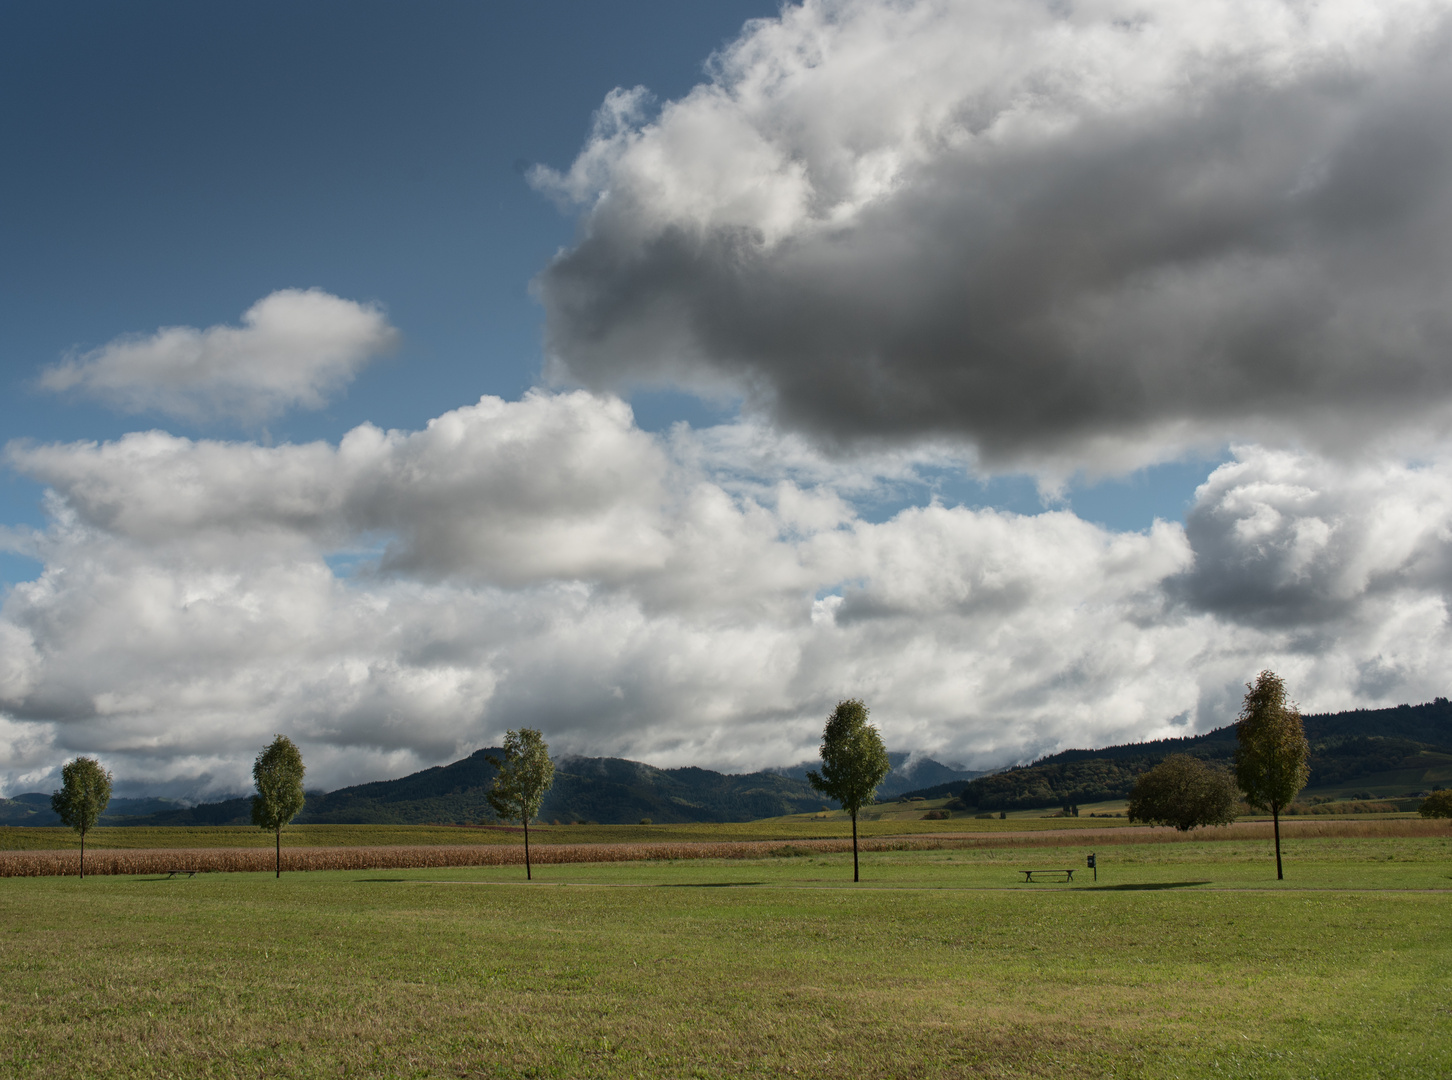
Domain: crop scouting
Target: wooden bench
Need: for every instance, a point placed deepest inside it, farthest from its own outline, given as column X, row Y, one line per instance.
column 1028, row 875
column 173, row 873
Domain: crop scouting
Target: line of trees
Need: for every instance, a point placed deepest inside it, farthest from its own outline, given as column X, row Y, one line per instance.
column 1186, row 792
column 854, row 764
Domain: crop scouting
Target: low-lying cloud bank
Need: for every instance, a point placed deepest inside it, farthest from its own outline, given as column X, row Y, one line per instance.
column 401, row 598
column 1071, row 236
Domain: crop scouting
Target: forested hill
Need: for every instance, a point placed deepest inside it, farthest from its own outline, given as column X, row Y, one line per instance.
column 608, row 790
column 1366, row 752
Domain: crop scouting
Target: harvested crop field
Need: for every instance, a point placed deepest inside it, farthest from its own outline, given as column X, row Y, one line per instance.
column 22, row 838
column 401, row 857
column 161, row 860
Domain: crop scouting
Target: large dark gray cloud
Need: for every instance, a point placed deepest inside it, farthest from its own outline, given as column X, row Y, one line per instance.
column 1095, row 233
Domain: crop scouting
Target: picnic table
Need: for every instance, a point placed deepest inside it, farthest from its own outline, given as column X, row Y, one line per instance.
column 1028, row 875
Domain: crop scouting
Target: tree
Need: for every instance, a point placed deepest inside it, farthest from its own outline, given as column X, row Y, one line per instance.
column 1270, row 761
column 1438, row 804
column 278, row 774
column 85, row 791
column 1184, row 792
column 854, row 762
column 525, row 774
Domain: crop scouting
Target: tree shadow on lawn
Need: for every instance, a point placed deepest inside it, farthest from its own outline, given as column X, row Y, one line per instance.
column 1149, row 885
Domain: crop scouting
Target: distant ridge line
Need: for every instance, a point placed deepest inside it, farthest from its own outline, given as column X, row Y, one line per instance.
column 1367, row 746
column 1347, row 746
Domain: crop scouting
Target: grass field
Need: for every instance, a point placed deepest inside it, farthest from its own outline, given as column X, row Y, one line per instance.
column 1186, row 959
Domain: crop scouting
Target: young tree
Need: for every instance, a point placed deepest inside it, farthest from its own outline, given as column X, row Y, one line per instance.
column 1437, row 804
column 854, row 762
column 1184, row 792
column 278, row 774
column 85, row 791
column 1270, row 761
column 525, row 774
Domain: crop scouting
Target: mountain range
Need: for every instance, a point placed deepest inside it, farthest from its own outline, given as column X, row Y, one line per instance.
column 1364, row 753
column 607, row 790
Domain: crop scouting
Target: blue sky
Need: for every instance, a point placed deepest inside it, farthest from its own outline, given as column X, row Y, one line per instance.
column 169, row 164
column 1039, row 374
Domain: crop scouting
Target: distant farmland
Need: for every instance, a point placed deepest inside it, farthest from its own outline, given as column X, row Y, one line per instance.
column 157, row 853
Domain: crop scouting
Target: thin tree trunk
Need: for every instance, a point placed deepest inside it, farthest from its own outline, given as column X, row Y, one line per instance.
column 854, row 847
column 1276, row 819
column 527, row 875
column 279, row 853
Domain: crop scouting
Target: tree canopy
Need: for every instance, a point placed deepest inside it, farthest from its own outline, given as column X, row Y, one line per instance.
column 1437, row 804
column 854, row 762
column 1185, row 792
column 278, row 774
column 525, row 774
column 85, row 791
column 1271, row 758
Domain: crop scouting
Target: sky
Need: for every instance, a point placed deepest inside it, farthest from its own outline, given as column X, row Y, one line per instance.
column 391, row 376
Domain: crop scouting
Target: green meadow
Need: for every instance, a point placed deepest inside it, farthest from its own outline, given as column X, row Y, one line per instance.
column 1182, row 960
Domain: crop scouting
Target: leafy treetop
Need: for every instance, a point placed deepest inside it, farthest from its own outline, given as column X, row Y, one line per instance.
column 85, row 791
column 525, row 775
column 1184, row 792
column 278, row 774
column 1438, row 804
column 854, row 761
column 1271, row 758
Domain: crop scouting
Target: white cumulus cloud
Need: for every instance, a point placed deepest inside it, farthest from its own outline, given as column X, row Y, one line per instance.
column 294, row 348
column 544, row 562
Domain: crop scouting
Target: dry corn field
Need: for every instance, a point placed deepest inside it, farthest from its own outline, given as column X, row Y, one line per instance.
column 405, row 857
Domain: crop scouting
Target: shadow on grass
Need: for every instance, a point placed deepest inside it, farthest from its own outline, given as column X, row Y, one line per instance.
column 1149, row 885
column 707, row 884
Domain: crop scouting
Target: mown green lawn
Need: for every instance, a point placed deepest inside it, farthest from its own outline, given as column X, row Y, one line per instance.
column 1185, row 960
